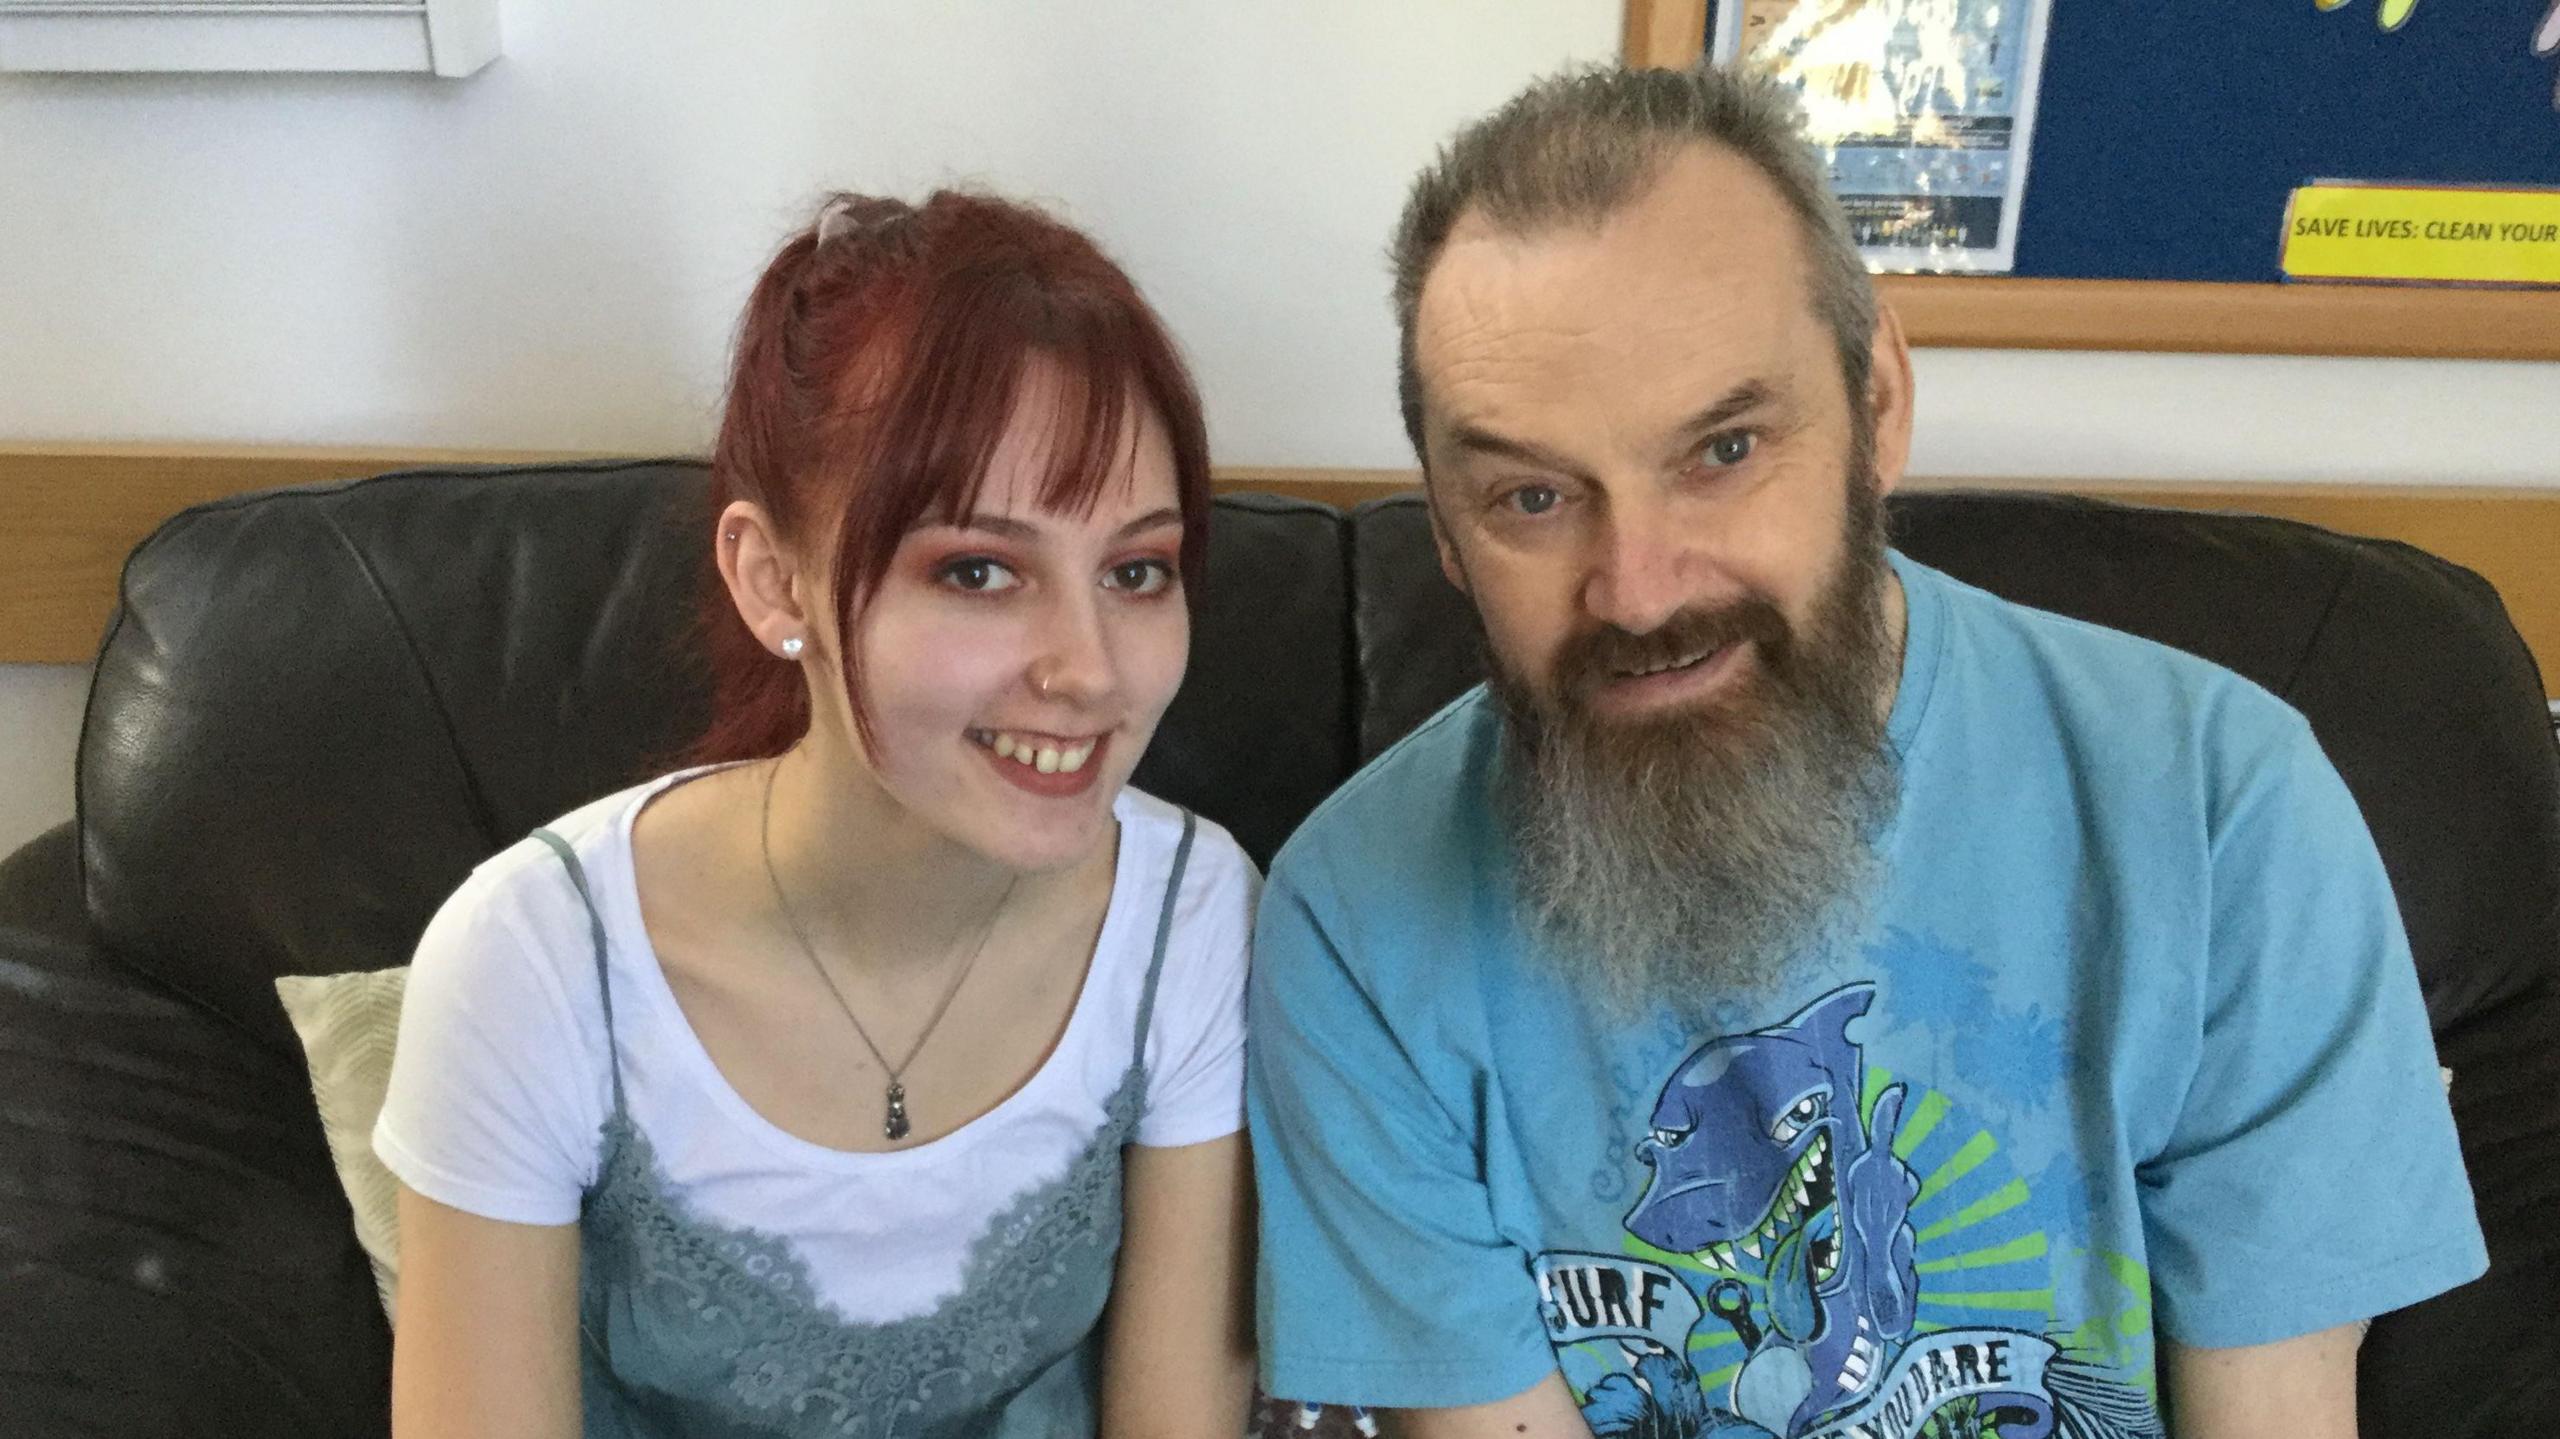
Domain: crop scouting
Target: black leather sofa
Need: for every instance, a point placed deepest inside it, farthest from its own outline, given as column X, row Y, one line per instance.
column 317, row 709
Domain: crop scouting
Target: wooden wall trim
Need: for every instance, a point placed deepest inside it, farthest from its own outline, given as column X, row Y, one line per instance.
column 70, row 513
column 1998, row 312
column 1664, row 34
column 1341, row 489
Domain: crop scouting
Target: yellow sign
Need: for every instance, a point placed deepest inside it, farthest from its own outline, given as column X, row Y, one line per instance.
column 2447, row 234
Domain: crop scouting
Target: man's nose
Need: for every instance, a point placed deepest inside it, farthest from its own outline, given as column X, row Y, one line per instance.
column 1640, row 578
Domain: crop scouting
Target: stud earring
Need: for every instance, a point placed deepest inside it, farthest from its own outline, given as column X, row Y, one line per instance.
column 791, row 647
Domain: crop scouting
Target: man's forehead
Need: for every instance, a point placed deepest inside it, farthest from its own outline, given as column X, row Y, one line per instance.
column 1701, row 207
column 1696, row 283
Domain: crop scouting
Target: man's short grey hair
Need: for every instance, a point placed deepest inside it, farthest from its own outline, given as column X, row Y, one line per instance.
column 1577, row 147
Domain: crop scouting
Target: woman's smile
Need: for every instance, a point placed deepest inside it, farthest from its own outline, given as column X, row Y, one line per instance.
column 1051, row 765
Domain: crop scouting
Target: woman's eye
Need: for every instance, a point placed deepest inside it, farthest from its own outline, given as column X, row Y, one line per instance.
column 978, row 575
column 1142, row 577
column 1730, row 448
column 1533, row 499
column 1670, row 1138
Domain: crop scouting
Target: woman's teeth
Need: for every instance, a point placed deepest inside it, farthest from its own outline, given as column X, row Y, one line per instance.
column 1046, row 758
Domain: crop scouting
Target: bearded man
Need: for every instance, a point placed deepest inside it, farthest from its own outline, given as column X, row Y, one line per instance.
column 1802, row 994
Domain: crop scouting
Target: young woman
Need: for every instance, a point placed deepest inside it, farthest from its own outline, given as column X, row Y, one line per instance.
column 833, row 1086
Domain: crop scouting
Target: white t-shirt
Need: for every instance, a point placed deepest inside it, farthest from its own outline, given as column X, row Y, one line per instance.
column 500, row 1080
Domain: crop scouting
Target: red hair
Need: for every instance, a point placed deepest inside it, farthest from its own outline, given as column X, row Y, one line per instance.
column 878, row 366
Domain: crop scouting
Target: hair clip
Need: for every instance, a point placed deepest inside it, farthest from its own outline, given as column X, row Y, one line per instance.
column 836, row 218
column 846, row 213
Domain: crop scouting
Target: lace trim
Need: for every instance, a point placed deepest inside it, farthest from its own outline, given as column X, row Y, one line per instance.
column 1035, row 1283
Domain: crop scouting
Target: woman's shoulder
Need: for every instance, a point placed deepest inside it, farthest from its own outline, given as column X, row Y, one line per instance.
column 1210, row 917
column 524, row 895
column 1194, row 1045
column 502, row 1071
column 1154, row 826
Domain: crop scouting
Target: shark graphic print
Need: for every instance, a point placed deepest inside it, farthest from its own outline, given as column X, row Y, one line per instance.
column 1772, row 1280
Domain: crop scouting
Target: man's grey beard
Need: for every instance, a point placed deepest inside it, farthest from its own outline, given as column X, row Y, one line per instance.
column 1681, row 860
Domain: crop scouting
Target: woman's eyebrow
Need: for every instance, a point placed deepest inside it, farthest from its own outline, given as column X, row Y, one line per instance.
column 1024, row 531
column 1001, row 527
column 1152, row 519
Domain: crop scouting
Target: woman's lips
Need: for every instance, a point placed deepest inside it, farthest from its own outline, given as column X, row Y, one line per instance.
column 1053, row 766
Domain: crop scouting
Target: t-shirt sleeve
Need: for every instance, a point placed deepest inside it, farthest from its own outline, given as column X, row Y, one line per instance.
column 497, row 1088
column 1384, row 1278
column 1195, row 1042
column 2312, row 1177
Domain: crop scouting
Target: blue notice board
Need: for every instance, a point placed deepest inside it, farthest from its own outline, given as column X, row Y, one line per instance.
column 2168, row 137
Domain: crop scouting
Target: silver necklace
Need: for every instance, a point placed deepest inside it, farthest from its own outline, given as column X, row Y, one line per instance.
column 895, row 1123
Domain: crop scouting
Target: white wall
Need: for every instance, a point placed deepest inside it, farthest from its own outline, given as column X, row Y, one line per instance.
column 39, row 725
column 549, row 255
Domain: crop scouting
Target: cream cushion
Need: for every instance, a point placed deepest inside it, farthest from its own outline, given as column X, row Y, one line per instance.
column 348, row 1024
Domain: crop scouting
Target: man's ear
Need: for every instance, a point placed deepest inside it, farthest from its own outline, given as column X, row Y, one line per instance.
column 1890, row 398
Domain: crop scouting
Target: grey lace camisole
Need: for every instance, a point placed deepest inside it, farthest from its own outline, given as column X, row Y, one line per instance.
column 691, row 1329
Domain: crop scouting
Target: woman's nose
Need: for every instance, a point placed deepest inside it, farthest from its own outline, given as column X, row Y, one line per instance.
column 1073, row 663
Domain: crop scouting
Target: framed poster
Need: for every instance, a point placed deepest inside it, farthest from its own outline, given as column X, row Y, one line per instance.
column 2166, row 150
column 1924, row 114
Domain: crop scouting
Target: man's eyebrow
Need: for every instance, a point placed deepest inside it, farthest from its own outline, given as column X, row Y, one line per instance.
column 1741, row 400
column 1476, row 440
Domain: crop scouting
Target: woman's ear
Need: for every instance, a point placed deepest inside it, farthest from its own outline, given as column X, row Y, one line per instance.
column 763, row 579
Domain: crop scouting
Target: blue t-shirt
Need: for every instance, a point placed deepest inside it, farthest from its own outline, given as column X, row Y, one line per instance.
column 2132, row 1047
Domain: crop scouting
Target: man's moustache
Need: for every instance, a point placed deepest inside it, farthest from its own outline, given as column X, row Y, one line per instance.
column 1607, row 653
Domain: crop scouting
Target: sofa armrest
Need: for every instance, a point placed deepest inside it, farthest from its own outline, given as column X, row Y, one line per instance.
column 175, row 1255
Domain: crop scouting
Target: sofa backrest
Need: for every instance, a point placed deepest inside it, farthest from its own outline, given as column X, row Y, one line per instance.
column 2419, row 689
column 318, row 708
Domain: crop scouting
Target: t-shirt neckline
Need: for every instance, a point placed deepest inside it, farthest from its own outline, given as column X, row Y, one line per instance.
column 626, row 928
column 1924, row 635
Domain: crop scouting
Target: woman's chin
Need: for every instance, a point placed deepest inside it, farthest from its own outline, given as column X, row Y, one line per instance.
column 1046, row 840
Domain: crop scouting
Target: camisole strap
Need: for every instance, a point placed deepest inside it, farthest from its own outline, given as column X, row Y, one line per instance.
column 595, row 929
column 1164, row 933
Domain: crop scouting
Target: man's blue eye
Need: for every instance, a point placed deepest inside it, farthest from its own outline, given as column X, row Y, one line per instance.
column 1731, row 448
column 1534, row 499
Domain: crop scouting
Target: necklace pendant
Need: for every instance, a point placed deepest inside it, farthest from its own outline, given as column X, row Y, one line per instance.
column 896, row 1127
